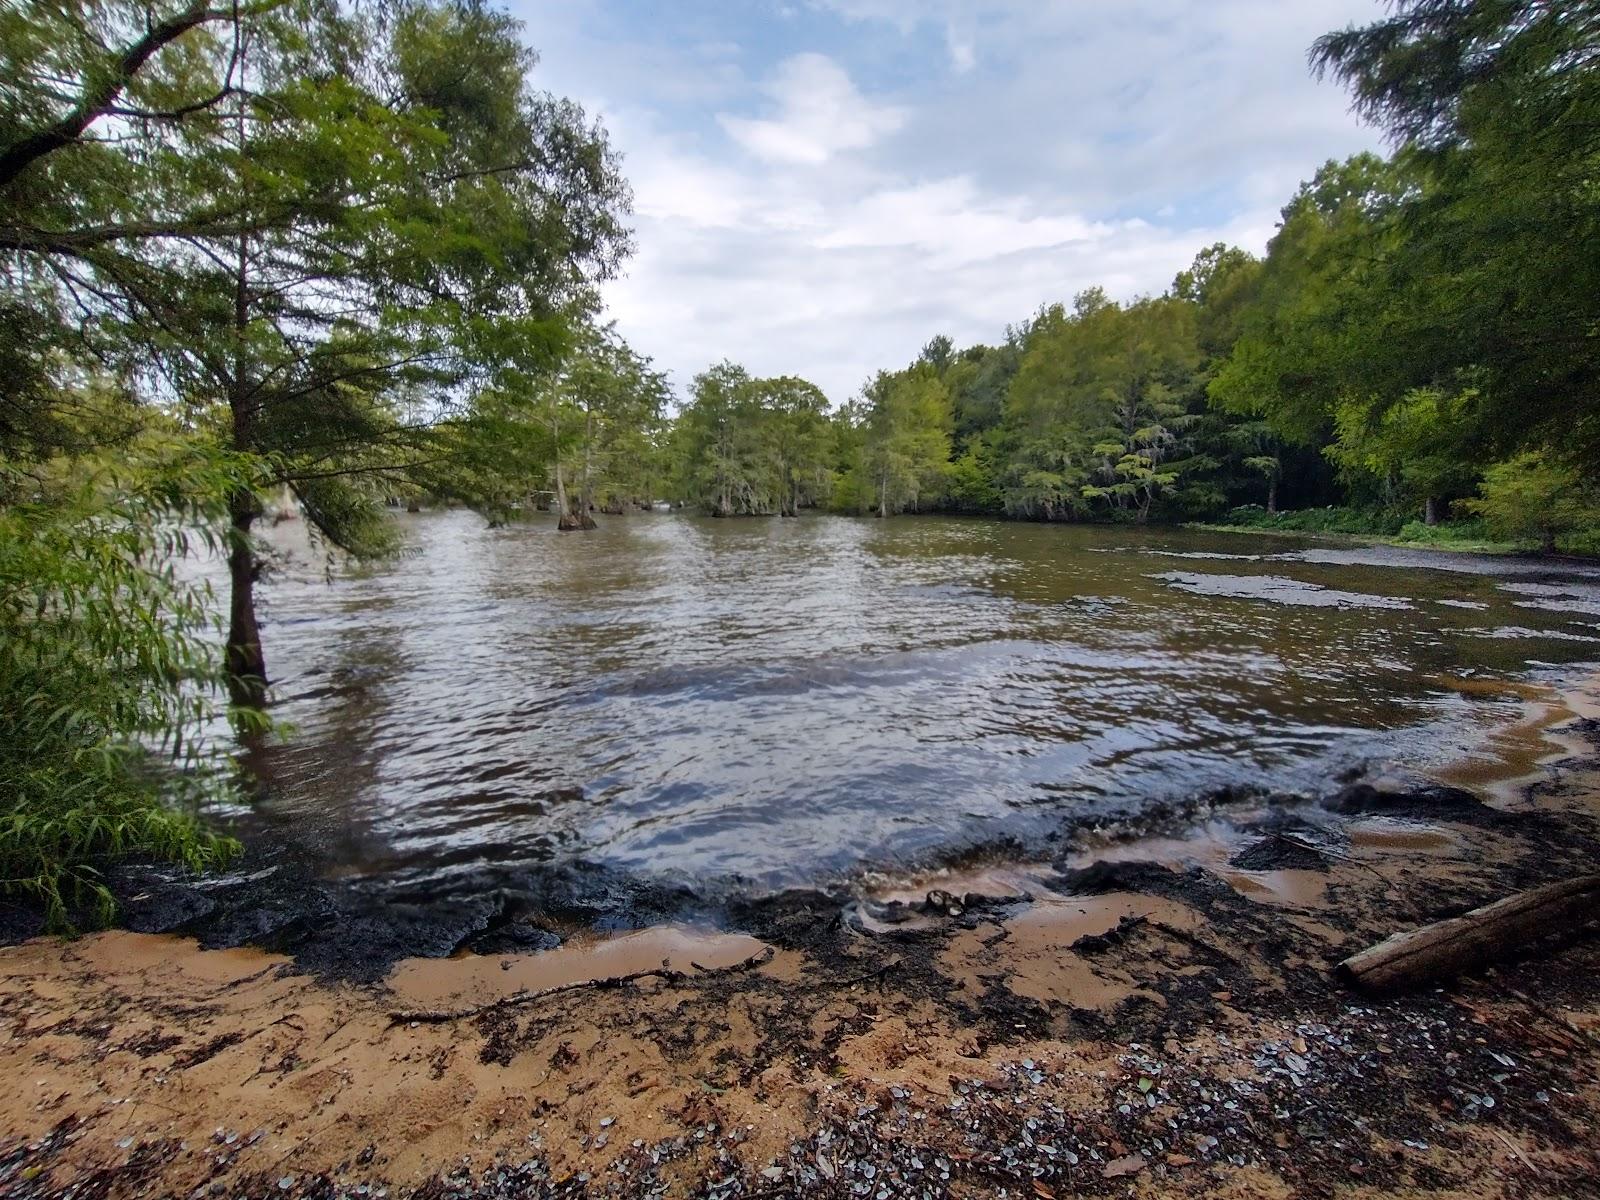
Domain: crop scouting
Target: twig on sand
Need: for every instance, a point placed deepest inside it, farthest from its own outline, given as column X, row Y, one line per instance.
column 877, row 973
column 1515, row 1149
column 1289, row 839
column 1183, row 935
column 438, row 1016
column 1548, row 1013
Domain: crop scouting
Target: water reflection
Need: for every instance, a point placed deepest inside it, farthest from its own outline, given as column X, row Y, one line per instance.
column 783, row 700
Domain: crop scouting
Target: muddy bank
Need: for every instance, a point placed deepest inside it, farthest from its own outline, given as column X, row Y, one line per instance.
column 1145, row 1015
column 337, row 926
column 278, row 900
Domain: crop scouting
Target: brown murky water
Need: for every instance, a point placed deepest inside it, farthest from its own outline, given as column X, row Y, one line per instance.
column 778, row 702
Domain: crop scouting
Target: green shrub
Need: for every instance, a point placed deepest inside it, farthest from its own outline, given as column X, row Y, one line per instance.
column 1315, row 520
column 110, row 665
column 1446, row 533
column 1538, row 498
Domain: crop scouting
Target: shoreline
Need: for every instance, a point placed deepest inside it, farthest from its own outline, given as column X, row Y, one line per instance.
column 1155, row 1013
column 1489, row 549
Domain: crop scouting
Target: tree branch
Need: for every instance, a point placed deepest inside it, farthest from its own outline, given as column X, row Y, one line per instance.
column 98, row 98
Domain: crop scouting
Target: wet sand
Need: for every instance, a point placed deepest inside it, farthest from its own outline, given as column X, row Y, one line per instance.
column 1146, row 1016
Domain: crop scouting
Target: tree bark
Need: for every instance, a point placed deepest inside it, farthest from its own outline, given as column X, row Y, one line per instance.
column 1272, row 496
column 1430, row 511
column 1482, row 936
column 246, row 664
column 568, row 520
column 586, row 489
column 247, row 668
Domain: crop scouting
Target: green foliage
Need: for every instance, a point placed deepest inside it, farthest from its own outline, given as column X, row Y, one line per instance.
column 1537, row 498
column 111, row 665
column 1098, row 408
column 1297, row 352
column 1416, row 445
column 978, row 379
column 1456, row 535
column 1332, row 519
column 973, row 482
column 906, row 438
column 754, row 447
column 1497, row 106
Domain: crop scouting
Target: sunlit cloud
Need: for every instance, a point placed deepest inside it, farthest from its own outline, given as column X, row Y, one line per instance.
column 819, row 113
column 819, row 192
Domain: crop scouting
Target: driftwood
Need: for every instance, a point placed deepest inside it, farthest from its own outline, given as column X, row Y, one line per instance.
column 438, row 1016
column 1482, row 936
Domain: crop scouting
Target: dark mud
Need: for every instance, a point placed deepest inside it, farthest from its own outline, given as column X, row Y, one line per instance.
column 274, row 899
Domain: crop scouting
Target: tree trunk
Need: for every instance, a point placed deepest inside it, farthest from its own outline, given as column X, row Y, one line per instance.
column 567, row 520
column 1272, row 496
column 1480, row 937
column 247, row 669
column 1430, row 511
column 883, row 495
column 586, row 491
column 246, row 664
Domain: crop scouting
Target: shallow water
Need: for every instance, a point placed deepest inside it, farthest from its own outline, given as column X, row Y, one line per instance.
column 779, row 702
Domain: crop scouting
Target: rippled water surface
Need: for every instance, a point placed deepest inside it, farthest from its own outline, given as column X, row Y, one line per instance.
column 785, row 700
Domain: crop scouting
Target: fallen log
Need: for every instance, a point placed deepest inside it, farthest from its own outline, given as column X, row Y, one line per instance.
column 1474, row 939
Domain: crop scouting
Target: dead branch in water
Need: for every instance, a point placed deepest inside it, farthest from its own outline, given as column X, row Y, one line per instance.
column 439, row 1016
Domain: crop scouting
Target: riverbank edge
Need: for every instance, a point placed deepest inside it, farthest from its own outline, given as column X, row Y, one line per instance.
column 1497, row 549
column 904, row 1053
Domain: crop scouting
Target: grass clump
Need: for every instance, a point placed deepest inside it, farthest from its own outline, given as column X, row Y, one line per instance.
column 110, row 667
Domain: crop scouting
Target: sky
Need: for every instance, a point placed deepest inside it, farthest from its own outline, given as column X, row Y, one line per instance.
column 821, row 186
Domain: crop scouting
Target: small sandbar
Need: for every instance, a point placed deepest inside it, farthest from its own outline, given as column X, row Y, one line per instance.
column 468, row 979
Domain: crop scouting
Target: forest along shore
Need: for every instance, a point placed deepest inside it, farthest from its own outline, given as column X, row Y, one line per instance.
column 1146, row 1015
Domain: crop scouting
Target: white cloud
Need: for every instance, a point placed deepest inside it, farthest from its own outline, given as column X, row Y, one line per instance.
column 963, row 54
column 951, row 222
column 824, row 215
column 820, row 113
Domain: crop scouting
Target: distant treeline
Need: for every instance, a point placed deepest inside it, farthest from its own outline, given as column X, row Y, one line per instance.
column 1421, row 341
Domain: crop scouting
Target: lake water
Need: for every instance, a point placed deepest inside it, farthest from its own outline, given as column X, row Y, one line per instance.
column 786, row 701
